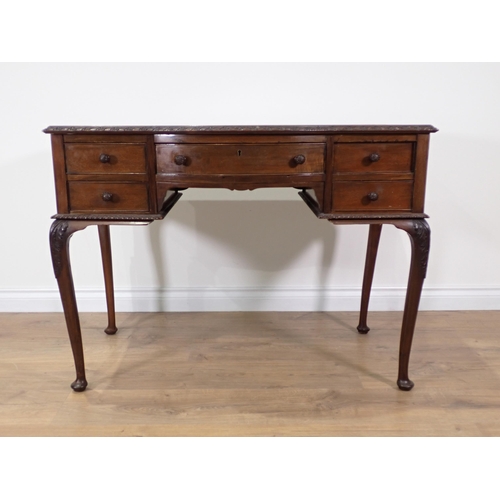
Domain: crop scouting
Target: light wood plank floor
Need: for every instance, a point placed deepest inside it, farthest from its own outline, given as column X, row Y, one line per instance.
column 251, row 374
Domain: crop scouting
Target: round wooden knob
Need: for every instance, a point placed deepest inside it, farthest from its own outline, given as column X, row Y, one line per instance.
column 374, row 157
column 180, row 160
column 373, row 196
column 107, row 196
column 299, row 159
column 104, row 158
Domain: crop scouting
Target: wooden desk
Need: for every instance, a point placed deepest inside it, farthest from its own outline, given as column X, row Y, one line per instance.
column 346, row 174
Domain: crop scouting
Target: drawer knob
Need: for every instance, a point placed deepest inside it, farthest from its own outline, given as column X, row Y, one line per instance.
column 373, row 196
column 181, row 160
column 374, row 157
column 299, row 159
column 107, row 196
column 104, row 158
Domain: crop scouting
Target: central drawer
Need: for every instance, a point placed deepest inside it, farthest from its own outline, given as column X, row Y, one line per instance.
column 245, row 159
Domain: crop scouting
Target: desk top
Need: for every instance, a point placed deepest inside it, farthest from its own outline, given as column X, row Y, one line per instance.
column 245, row 129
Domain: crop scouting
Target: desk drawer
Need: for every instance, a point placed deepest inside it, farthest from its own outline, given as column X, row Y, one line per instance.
column 372, row 196
column 108, row 197
column 105, row 158
column 372, row 157
column 241, row 158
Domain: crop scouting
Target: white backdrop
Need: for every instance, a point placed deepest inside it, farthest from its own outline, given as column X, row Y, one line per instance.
column 259, row 250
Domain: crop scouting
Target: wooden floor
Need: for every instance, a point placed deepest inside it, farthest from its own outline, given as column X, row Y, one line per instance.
column 251, row 374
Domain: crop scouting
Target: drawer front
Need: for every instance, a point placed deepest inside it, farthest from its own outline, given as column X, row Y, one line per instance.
column 110, row 158
column 240, row 158
column 361, row 196
column 372, row 157
column 108, row 197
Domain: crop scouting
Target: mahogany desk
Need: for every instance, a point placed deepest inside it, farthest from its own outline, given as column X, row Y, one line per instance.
column 346, row 174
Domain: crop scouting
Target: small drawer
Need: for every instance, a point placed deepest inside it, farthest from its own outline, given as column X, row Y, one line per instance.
column 108, row 197
column 110, row 158
column 361, row 196
column 372, row 157
column 199, row 159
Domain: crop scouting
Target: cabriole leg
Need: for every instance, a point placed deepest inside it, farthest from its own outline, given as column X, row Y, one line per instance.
column 107, row 265
column 371, row 257
column 419, row 233
column 60, row 234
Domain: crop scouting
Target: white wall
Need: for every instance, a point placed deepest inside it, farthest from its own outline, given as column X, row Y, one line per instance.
column 262, row 249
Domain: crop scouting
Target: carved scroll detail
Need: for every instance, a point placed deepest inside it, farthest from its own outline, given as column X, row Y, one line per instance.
column 58, row 239
column 420, row 233
column 422, row 240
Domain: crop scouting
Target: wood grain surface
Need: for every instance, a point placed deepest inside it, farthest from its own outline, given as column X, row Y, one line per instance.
column 87, row 196
column 251, row 374
column 123, row 158
column 243, row 159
